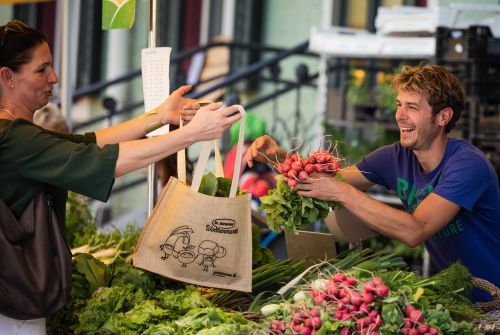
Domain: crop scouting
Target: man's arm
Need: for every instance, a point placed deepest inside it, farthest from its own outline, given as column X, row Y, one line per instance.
column 431, row 215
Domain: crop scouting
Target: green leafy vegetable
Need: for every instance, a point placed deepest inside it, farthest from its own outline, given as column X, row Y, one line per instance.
column 286, row 209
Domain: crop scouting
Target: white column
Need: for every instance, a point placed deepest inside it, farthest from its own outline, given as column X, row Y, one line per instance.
column 228, row 8
column 205, row 21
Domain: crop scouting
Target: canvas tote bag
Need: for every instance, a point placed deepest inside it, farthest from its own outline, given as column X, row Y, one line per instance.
column 200, row 239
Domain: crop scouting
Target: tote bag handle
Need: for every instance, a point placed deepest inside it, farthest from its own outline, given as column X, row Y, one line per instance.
column 205, row 154
column 181, row 161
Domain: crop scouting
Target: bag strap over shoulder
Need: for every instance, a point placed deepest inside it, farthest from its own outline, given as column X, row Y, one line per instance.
column 205, row 154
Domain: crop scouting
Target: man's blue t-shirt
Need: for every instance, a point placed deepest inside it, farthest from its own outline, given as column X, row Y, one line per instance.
column 464, row 176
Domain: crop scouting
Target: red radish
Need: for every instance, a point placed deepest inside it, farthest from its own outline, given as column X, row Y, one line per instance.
column 377, row 281
column 339, row 277
column 297, row 166
column 433, row 331
column 350, row 281
column 305, row 331
column 320, row 159
column 369, row 287
column 314, row 312
column 416, row 316
column 303, row 175
column 413, row 331
column 285, row 167
column 309, row 168
column 292, row 173
column 319, row 168
column 356, row 299
column 382, row 290
column 292, row 183
column 368, row 298
column 345, row 331
column 408, row 309
column 316, row 322
column 297, row 318
column 423, row 328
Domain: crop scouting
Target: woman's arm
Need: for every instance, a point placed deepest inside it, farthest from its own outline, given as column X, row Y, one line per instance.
column 168, row 112
column 209, row 123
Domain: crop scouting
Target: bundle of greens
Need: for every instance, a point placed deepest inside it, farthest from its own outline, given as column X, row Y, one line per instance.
column 287, row 210
column 215, row 186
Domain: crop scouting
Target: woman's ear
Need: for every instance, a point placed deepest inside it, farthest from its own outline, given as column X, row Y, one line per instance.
column 6, row 76
column 445, row 116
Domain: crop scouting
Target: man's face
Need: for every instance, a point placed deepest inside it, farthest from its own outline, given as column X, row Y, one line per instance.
column 417, row 127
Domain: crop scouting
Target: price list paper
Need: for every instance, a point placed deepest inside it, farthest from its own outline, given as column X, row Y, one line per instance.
column 155, row 80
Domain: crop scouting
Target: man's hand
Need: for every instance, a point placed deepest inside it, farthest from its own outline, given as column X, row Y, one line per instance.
column 321, row 186
column 264, row 149
column 177, row 106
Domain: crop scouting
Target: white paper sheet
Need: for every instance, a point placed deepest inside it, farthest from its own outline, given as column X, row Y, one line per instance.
column 155, row 66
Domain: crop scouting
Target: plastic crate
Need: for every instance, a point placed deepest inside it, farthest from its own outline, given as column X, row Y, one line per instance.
column 473, row 43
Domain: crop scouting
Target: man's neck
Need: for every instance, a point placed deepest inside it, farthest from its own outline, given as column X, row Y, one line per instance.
column 429, row 159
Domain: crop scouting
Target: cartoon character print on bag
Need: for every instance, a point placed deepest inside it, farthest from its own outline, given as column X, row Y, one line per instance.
column 210, row 251
column 178, row 244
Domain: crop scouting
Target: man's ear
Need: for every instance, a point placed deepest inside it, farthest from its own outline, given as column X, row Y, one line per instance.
column 445, row 116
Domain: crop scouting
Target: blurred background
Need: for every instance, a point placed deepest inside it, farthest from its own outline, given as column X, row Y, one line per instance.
column 309, row 73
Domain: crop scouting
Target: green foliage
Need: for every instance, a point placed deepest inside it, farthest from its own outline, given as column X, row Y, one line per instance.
column 260, row 255
column 396, row 247
column 79, row 220
column 179, row 302
column 286, row 209
column 96, row 272
column 216, row 186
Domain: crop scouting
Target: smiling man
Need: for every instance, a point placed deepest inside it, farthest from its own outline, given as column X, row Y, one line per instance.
column 448, row 187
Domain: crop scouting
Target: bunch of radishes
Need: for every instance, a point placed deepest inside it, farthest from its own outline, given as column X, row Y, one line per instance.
column 413, row 323
column 306, row 322
column 354, row 303
column 296, row 168
column 278, row 327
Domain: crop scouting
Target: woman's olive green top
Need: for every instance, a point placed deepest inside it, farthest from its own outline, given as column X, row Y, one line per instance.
column 31, row 156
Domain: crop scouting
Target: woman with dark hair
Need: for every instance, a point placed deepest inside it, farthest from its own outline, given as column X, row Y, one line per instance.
column 32, row 158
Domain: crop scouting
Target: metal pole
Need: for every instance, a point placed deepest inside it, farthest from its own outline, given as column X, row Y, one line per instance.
column 66, row 87
column 153, row 168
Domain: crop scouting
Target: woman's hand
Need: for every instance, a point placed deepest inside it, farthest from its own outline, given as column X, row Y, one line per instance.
column 211, row 121
column 263, row 149
column 177, row 106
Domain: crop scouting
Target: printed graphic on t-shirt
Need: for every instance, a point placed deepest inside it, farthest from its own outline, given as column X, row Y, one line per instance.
column 451, row 229
column 412, row 196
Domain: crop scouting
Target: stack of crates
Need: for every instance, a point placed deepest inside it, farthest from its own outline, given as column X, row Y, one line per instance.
column 473, row 54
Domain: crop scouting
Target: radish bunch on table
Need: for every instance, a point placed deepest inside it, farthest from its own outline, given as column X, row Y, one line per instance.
column 413, row 323
column 296, row 168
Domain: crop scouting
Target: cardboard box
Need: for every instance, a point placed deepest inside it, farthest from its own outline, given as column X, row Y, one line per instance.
column 313, row 246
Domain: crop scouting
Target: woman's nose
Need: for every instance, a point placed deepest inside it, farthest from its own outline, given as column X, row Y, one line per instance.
column 53, row 78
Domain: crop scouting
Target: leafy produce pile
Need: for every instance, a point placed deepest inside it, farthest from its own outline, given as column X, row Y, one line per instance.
column 358, row 292
column 284, row 207
column 358, row 301
column 120, row 299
